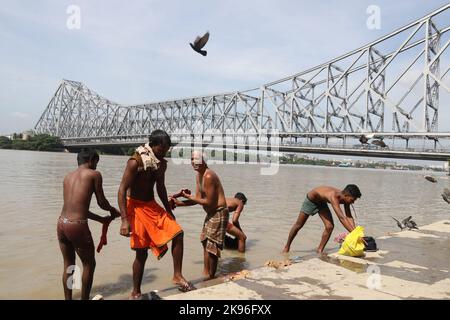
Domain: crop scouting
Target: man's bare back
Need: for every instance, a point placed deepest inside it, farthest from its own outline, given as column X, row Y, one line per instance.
column 323, row 194
column 316, row 202
column 72, row 229
column 236, row 205
column 78, row 186
column 232, row 204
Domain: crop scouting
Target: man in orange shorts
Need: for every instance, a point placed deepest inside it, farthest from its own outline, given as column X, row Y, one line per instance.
column 147, row 224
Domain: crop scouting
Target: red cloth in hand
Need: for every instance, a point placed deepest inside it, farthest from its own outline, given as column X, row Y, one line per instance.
column 103, row 240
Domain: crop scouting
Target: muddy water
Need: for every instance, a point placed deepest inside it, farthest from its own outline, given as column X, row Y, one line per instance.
column 31, row 200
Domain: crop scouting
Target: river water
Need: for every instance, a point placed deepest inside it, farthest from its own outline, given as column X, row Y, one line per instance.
column 31, row 200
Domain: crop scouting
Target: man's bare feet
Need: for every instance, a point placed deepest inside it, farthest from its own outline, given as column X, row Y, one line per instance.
column 135, row 296
column 183, row 285
column 285, row 250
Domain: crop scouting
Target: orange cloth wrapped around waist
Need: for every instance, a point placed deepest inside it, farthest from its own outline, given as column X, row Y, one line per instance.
column 151, row 226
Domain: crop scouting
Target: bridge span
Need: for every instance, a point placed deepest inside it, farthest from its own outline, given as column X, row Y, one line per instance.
column 380, row 100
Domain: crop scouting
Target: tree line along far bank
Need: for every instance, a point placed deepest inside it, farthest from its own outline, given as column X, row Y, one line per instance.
column 45, row 142
column 39, row 142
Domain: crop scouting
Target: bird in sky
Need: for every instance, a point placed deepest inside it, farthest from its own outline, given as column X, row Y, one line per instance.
column 199, row 43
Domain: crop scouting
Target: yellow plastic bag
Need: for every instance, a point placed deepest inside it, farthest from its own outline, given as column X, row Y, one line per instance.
column 353, row 245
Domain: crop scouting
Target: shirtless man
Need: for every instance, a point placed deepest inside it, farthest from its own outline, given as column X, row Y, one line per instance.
column 236, row 205
column 72, row 229
column 210, row 195
column 317, row 202
column 149, row 225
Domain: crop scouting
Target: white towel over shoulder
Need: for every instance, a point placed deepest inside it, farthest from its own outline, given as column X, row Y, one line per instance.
column 149, row 160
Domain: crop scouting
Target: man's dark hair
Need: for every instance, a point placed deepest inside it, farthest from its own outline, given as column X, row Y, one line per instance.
column 352, row 190
column 86, row 155
column 159, row 137
column 241, row 197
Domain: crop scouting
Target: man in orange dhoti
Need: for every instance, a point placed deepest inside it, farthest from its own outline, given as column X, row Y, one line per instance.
column 147, row 224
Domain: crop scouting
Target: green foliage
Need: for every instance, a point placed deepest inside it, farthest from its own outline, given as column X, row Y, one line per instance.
column 319, row 162
column 40, row 142
column 130, row 151
column 17, row 136
column 5, row 143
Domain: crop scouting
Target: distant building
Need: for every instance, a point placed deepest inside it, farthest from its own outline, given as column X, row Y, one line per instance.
column 388, row 163
column 27, row 134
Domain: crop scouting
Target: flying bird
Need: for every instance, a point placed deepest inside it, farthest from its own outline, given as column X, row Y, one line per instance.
column 199, row 43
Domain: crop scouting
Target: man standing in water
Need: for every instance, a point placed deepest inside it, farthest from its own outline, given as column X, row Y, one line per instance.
column 149, row 225
column 72, row 229
column 236, row 205
column 210, row 195
column 317, row 202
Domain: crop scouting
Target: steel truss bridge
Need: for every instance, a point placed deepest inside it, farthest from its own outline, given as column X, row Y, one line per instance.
column 388, row 90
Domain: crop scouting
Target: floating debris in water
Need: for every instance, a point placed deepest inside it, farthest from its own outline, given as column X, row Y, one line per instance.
column 278, row 264
column 239, row 275
column 431, row 179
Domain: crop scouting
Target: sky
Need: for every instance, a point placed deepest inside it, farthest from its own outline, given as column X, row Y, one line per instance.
column 137, row 51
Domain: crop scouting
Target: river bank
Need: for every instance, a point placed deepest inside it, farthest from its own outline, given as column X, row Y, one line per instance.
column 409, row 265
column 31, row 194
